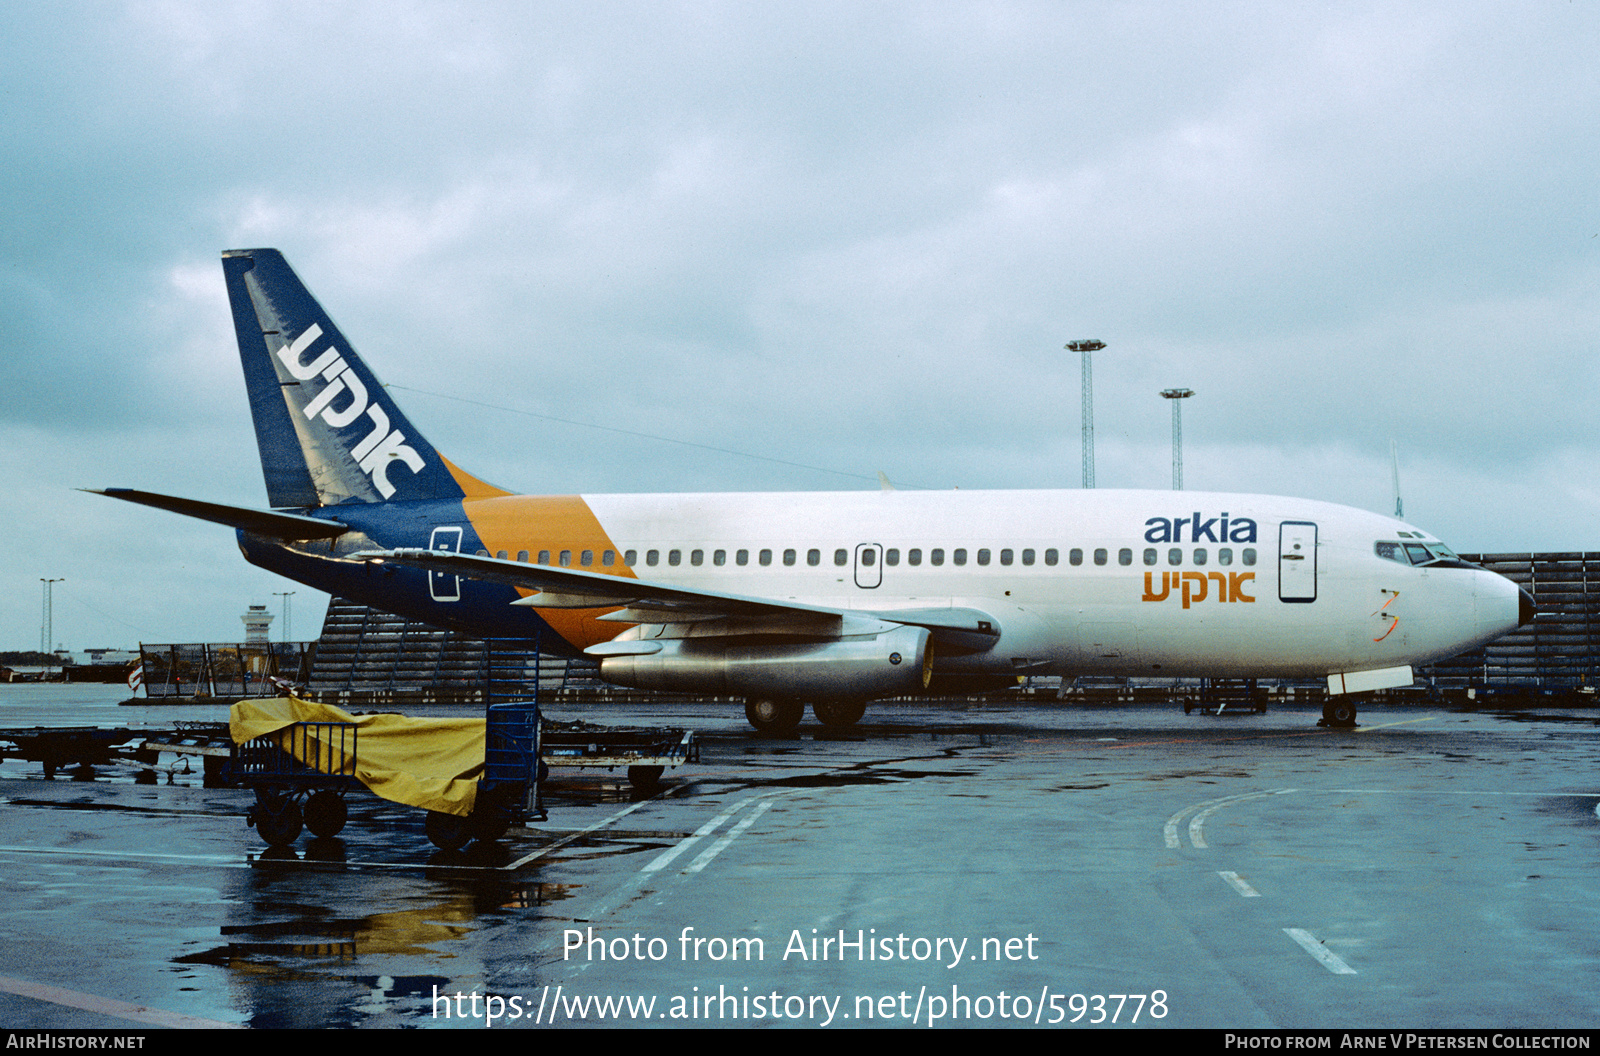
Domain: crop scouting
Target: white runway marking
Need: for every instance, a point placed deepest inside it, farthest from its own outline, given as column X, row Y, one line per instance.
column 1238, row 884
column 106, row 1006
column 1209, row 807
column 1329, row 959
column 635, row 886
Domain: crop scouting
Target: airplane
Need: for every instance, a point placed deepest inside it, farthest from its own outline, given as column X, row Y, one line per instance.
column 835, row 598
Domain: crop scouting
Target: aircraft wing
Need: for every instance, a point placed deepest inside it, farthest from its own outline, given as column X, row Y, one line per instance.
column 641, row 601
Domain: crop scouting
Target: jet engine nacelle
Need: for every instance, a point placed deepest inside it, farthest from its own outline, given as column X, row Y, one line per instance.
column 843, row 669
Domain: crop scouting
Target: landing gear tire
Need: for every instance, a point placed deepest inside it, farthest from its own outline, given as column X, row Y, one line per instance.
column 277, row 820
column 448, row 832
column 1339, row 711
column 774, row 716
column 839, row 713
column 326, row 814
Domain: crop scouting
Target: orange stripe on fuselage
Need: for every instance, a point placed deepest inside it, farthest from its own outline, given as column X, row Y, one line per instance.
column 555, row 523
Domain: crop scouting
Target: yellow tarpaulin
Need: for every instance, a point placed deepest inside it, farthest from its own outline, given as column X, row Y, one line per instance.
column 433, row 764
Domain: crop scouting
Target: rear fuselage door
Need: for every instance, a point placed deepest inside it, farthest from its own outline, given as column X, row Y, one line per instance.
column 1297, row 561
column 445, row 587
column 869, row 565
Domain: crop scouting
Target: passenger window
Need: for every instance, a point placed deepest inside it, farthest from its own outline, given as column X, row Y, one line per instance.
column 914, row 556
column 841, row 557
column 1075, row 557
column 483, row 553
column 1124, row 556
column 1174, row 556
column 1150, row 555
column 500, row 554
column 719, row 558
column 1247, row 556
column 674, row 557
column 652, row 557
column 788, row 557
column 742, row 558
column 1100, row 556
column 1052, row 556
column 936, row 557
column 983, row 557
column 544, row 557
column 1027, row 557
column 959, row 556
column 813, row 558
column 891, row 557
column 522, row 555
column 1200, row 555
column 869, row 557
column 608, row 558
column 630, row 558
column 586, row 558
column 1005, row 557
column 1224, row 556
column 697, row 557
column 766, row 557
column 566, row 559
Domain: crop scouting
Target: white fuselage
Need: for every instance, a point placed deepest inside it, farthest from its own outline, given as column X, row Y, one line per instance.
column 1097, row 581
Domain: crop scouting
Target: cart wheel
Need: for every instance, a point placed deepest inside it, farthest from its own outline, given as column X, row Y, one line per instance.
column 326, row 813
column 448, row 832
column 645, row 777
column 490, row 818
column 278, row 820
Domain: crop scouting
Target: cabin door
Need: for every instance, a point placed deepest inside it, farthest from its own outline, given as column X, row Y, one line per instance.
column 444, row 587
column 1297, row 561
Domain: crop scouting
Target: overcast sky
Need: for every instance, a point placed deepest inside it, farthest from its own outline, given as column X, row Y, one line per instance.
column 842, row 237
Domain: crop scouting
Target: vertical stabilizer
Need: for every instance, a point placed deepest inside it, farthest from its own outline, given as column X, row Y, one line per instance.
column 327, row 429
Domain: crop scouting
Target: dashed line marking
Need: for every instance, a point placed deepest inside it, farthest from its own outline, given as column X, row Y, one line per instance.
column 1327, row 957
column 1237, row 882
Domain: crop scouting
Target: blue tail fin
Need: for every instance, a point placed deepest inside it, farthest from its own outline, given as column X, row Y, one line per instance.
column 329, row 433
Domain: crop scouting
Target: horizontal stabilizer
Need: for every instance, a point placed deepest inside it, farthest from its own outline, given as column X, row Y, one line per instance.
column 260, row 522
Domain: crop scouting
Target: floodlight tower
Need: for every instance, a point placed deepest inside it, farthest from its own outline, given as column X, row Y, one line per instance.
column 285, row 595
column 1088, row 348
column 1176, row 395
column 47, row 627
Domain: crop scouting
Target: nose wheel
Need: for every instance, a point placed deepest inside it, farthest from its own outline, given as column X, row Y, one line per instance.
column 1339, row 711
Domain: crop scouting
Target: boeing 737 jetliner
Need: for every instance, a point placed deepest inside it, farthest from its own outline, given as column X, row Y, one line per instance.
column 829, row 598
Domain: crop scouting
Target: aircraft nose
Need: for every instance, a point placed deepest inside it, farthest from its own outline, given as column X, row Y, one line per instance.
column 1526, row 609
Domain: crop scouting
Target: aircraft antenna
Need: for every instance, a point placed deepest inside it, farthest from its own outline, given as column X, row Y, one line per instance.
column 1394, row 462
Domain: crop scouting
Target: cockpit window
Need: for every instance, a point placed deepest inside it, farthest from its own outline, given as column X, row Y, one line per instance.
column 1433, row 555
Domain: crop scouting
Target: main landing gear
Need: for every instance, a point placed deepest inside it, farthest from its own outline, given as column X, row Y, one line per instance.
column 781, row 716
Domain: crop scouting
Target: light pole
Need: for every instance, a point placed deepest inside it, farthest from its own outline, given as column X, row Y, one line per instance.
column 1088, row 348
column 285, row 595
column 1177, row 433
column 47, row 627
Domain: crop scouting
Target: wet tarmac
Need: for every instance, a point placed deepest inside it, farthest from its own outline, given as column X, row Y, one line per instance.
column 1093, row 868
